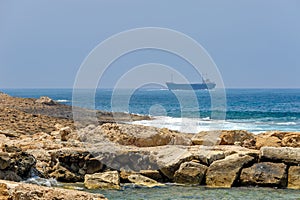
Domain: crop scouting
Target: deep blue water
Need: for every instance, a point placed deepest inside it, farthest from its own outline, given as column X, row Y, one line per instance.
column 255, row 110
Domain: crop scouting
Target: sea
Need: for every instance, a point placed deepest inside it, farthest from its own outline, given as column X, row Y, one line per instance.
column 254, row 110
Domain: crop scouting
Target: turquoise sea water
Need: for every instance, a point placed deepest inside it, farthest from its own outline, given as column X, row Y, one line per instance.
column 175, row 192
column 256, row 110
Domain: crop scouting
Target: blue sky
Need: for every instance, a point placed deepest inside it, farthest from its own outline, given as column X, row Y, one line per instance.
column 255, row 43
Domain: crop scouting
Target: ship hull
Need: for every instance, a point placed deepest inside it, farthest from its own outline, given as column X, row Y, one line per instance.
column 193, row 86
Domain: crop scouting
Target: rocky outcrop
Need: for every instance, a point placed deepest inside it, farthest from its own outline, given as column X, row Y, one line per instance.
column 16, row 165
column 70, row 165
column 190, row 173
column 144, row 181
column 138, row 135
column 294, row 177
column 105, row 180
column 12, row 190
column 238, row 137
column 45, row 100
column 291, row 140
column 224, row 173
column 265, row 174
column 278, row 139
column 287, row 155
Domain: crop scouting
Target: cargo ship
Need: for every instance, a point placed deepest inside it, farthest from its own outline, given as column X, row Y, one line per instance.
column 205, row 85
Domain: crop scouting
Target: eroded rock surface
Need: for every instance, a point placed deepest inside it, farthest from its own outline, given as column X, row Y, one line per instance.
column 225, row 172
column 105, row 180
column 190, row 173
column 23, row 191
column 265, row 174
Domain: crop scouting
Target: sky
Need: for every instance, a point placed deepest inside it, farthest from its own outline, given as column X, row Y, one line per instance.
column 254, row 43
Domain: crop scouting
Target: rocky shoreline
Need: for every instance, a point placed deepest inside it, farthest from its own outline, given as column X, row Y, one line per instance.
column 39, row 138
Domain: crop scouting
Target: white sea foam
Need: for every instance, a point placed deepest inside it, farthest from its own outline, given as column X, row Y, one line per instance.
column 62, row 100
column 195, row 125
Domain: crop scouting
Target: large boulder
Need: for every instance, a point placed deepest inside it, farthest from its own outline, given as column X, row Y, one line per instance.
column 283, row 154
column 190, row 173
column 294, row 177
column 224, row 173
column 12, row 190
column 265, row 174
column 141, row 136
column 144, row 181
column 105, row 180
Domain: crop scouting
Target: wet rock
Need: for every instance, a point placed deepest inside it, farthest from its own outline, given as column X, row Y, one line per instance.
column 105, row 180
column 16, row 166
column 294, row 177
column 11, row 190
column 190, row 173
column 45, row 100
column 64, row 175
column 282, row 154
column 265, row 174
column 141, row 180
column 224, row 173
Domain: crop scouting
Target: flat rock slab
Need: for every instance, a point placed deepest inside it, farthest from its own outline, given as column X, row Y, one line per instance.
column 144, row 181
column 294, row 177
column 265, row 174
column 105, row 180
column 288, row 155
column 224, row 173
column 13, row 190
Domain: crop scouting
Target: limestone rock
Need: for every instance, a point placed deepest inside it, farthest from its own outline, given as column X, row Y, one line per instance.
column 12, row 190
column 105, row 180
column 143, row 181
column 265, row 174
column 141, row 136
column 45, row 100
column 10, row 133
column 294, row 177
column 291, row 140
column 224, row 173
column 65, row 133
column 16, row 166
column 283, row 154
column 190, row 173
column 64, row 175
column 243, row 138
column 207, row 138
column 153, row 174
column 269, row 139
